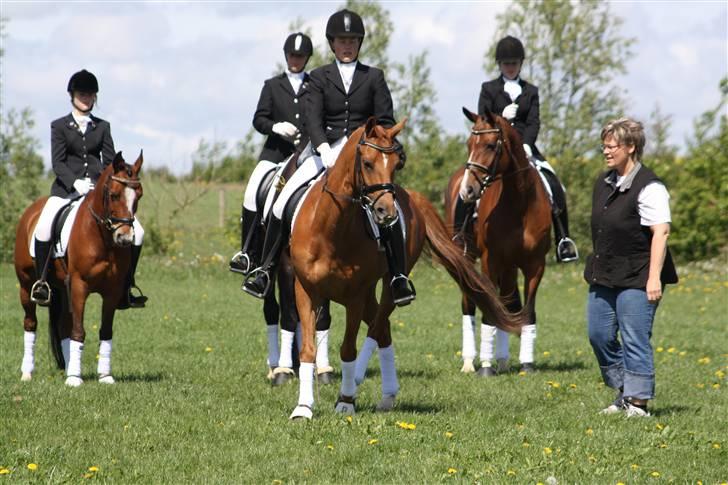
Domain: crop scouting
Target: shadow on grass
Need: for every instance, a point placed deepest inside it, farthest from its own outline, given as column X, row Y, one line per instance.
column 559, row 366
column 148, row 377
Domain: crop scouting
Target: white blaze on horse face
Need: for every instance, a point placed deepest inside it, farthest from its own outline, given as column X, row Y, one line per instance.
column 386, row 160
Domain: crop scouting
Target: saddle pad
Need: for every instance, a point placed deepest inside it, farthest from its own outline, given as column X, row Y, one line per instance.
column 300, row 201
column 61, row 245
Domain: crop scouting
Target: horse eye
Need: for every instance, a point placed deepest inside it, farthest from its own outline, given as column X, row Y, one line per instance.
column 490, row 146
column 115, row 196
column 368, row 165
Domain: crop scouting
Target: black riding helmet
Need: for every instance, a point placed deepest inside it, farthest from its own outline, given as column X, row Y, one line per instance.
column 509, row 48
column 299, row 44
column 83, row 81
column 345, row 23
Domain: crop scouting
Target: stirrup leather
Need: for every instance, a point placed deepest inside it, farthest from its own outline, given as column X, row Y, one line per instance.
column 37, row 286
column 405, row 299
column 251, row 279
column 242, row 259
column 567, row 241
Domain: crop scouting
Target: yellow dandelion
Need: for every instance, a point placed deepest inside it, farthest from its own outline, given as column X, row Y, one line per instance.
column 88, row 475
column 655, row 474
column 277, row 482
column 373, row 441
column 4, row 471
column 699, row 482
column 458, row 353
column 620, row 483
column 634, row 466
column 716, row 386
column 522, row 373
column 400, row 324
column 555, row 385
column 592, row 458
column 451, row 471
column 579, row 352
column 700, row 385
column 349, row 419
column 548, row 395
column 719, row 374
column 589, row 432
column 572, row 386
column 93, row 469
column 450, row 325
column 526, row 444
column 330, row 447
column 716, row 446
column 32, row 467
column 659, row 426
column 546, row 353
column 671, row 350
column 511, row 472
column 208, row 349
column 682, row 353
column 663, row 445
column 704, row 360
column 448, row 434
column 429, row 356
column 411, row 426
column 659, row 349
column 547, row 450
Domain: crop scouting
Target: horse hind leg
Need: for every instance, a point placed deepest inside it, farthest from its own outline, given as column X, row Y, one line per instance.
column 345, row 404
column 468, row 346
column 103, row 366
column 306, row 311
column 30, row 326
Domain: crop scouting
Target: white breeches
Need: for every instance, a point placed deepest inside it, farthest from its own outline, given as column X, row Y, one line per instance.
column 251, row 190
column 307, row 171
column 541, row 166
column 50, row 209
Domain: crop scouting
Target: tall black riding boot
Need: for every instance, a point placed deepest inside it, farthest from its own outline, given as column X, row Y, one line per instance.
column 463, row 222
column 40, row 293
column 247, row 258
column 403, row 291
column 259, row 281
column 565, row 246
column 128, row 299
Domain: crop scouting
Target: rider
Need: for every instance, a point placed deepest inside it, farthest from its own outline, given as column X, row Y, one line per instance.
column 280, row 116
column 517, row 101
column 344, row 94
column 81, row 147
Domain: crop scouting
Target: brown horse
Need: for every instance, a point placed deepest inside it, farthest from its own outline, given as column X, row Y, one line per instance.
column 511, row 231
column 97, row 261
column 334, row 257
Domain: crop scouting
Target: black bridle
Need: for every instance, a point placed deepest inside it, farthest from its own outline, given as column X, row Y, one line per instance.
column 362, row 190
column 490, row 174
column 109, row 221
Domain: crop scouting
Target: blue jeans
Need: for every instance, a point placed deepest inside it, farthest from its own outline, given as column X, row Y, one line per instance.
column 628, row 364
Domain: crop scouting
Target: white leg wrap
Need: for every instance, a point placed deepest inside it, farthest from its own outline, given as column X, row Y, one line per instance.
column 362, row 359
column 528, row 342
column 348, row 386
column 468, row 337
column 73, row 367
column 390, row 386
column 487, row 339
column 28, row 364
column 273, row 351
column 66, row 350
column 501, row 345
column 322, row 349
column 305, row 389
column 286, row 357
column 103, row 368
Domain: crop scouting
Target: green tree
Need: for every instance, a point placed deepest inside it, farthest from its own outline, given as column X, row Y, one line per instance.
column 21, row 167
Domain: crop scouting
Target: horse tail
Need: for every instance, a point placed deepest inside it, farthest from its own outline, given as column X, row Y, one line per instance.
column 476, row 286
column 55, row 318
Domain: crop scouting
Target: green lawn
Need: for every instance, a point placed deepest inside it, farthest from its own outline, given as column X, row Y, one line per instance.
column 192, row 405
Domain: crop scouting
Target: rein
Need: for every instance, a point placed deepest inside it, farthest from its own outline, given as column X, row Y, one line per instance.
column 108, row 221
column 490, row 174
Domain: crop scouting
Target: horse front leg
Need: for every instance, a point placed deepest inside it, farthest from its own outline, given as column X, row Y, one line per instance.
column 532, row 279
column 347, row 393
column 30, row 325
column 79, row 294
column 103, row 367
column 370, row 344
column 468, row 348
column 306, row 305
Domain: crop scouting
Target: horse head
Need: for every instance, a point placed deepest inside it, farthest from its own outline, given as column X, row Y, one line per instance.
column 116, row 197
column 378, row 156
column 489, row 150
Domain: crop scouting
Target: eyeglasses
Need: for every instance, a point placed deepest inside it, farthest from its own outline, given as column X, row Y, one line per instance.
column 609, row 148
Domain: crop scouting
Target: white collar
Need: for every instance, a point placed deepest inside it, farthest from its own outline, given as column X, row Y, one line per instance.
column 295, row 75
column 506, row 80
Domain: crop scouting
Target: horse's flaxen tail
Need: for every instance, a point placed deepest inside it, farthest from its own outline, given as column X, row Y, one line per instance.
column 55, row 317
column 476, row 286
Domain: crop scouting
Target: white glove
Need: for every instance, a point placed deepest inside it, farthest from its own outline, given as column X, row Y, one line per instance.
column 509, row 112
column 327, row 154
column 82, row 186
column 527, row 149
column 285, row 129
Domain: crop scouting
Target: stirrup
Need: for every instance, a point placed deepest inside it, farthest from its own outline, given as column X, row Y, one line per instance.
column 250, row 280
column 37, row 286
column 407, row 299
column 242, row 259
column 567, row 242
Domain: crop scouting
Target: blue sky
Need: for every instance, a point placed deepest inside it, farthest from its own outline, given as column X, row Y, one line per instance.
column 173, row 73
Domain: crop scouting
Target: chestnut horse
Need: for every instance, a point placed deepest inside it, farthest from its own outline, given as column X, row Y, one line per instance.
column 510, row 233
column 97, row 261
column 334, row 257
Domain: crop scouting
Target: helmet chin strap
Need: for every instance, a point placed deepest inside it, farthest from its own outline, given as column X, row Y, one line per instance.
column 85, row 112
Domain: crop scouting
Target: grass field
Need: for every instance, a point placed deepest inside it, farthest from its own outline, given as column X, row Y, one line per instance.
column 191, row 403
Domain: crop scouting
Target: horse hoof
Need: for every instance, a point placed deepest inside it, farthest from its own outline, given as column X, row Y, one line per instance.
column 386, row 404
column 468, row 366
column 486, row 372
column 26, row 377
column 282, row 375
column 345, row 408
column 325, row 378
column 73, row 381
column 107, row 380
column 301, row 412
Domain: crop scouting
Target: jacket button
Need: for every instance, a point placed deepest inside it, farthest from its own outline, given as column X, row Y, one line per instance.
column 346, row 103
column 594, row 279
column 597, row 256
column 295, row 100
column 297, row 115
column 84, row 155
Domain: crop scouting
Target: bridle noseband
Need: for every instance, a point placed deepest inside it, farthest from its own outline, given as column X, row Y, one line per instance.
column 110, row 222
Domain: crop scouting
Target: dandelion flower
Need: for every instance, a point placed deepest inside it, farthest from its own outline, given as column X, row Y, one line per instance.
column 620, row 483
column 448, row 434
column 659, row 349
column 572, row 386
column 719, row 374
column 589, row 431
column 659, row 426
column 546, row 353
column 704, row 360
column 349, row 419
column 682, row 353
column 671, row 350
column 579, row 352
column 716, row 386
column 93, row 469
column 716, row 446
column 277, row 482
column 522, row 373
column 655, row 474
column 511, row 472
column 452, row 471
column 88, row 475
column 331, row 447
column 526, row 444
column 4, row 471
column 634, row 466
column 458, row 353
column 208, row 349
column 373, row 441
column 547, row 450
column 663, row 445
column 32, row 467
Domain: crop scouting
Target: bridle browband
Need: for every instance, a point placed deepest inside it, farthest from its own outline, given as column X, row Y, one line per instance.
column 490, row 173
column 111, row 223
column 361, row 189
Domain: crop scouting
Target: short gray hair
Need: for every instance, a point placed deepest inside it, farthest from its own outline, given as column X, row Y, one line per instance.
column 626, row 131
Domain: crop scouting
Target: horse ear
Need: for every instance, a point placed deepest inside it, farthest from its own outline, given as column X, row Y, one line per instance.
column 490, row 117
column 119, row 163
column 371, row 124
column 138, row 164
column 394, row 131
column 470, row 115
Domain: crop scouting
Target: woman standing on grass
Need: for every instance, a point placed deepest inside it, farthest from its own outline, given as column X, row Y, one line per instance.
column 629, row 266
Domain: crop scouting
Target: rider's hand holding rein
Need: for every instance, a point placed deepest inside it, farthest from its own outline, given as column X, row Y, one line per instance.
column 83, row 186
